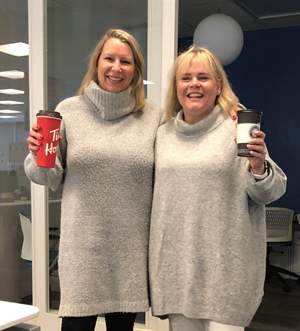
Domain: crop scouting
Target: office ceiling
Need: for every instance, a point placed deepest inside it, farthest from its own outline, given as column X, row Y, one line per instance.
column 251, row 14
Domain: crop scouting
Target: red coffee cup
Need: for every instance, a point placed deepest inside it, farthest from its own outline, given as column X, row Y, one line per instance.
column 49, row 123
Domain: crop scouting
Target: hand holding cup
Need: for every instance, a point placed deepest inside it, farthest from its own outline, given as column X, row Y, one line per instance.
column 247, row 126
column 44, row 137
column 257, row 149
column 251, row 140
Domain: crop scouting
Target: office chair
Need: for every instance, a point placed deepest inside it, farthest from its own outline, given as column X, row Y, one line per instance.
column 279, row 223
column 26, row 253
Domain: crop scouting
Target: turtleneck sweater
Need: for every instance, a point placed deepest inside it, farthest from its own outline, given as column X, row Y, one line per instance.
column 208, row 237
column 105, row 163
column 110, row 106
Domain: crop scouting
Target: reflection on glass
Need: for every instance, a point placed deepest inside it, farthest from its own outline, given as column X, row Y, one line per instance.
column 67, row 64
column 15, row 217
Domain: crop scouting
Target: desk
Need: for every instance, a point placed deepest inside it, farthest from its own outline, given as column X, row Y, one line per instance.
column 15, row 313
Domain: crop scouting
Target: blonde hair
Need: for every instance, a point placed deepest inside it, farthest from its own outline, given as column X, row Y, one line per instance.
column 137, row 82
column 227, row 99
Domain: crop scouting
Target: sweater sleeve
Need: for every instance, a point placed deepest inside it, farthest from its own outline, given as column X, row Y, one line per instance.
column 270, row 188
column 51, row 177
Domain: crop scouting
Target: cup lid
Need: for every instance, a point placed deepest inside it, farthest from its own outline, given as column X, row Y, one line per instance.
column 49, row 112
column 249, row 116
column 250, row 111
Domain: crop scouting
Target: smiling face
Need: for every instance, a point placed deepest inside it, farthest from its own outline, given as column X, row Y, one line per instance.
column 197, row 89
column 116, row 68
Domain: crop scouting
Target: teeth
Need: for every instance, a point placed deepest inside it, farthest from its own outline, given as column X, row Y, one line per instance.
column 115, row 78
column 195, row 95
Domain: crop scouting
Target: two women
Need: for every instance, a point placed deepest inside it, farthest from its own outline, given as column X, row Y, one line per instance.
column 207, row 239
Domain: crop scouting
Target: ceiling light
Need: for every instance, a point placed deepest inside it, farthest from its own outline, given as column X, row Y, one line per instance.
column 11, row 91
column 12, row 74
column 8, row 116
column 16, row 49
column 9, row 111
column 222, row 35
column 11, row 102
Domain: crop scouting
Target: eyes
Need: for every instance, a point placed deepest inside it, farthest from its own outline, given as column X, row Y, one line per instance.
column 123, row 61
column 188, row 78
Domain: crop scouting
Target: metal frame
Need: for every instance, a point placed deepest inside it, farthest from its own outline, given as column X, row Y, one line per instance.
column 162, row 46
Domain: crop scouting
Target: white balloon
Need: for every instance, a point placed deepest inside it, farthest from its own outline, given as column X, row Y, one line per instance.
column 222, row 35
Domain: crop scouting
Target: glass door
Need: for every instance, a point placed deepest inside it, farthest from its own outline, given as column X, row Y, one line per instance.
column 62, row 34
column 15, row 211
column 68, row 50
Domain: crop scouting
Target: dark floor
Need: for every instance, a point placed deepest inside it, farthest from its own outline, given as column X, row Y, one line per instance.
column 279, row 311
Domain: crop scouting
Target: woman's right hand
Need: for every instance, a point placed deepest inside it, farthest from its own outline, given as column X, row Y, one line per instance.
column 34, row 139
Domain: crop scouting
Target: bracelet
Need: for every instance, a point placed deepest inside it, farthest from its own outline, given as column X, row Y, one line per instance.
column 264, row 175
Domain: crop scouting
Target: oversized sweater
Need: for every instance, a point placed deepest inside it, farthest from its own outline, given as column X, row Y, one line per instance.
column 208, row 235
column 105, row 163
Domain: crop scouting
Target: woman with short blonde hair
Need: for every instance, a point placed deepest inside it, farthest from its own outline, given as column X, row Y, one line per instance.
column 227, row 99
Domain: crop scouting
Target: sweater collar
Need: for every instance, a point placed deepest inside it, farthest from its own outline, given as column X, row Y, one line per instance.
column 110, row 106
column 210, row 122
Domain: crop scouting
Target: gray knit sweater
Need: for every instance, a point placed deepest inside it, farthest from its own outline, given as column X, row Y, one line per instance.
column 106, row 166
column 208, row 237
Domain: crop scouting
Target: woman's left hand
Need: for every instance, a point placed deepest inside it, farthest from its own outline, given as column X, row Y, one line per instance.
column 258, row 152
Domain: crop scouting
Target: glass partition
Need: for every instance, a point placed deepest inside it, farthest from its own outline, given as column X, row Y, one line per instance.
column 15, row 211
column 83, row 22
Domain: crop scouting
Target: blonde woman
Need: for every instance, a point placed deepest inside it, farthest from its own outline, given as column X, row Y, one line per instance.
column 207, row 238
column 105, row 164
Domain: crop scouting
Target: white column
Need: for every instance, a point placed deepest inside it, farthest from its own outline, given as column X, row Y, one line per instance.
column 37, row 101
column 162, row 46
column 169, row 41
